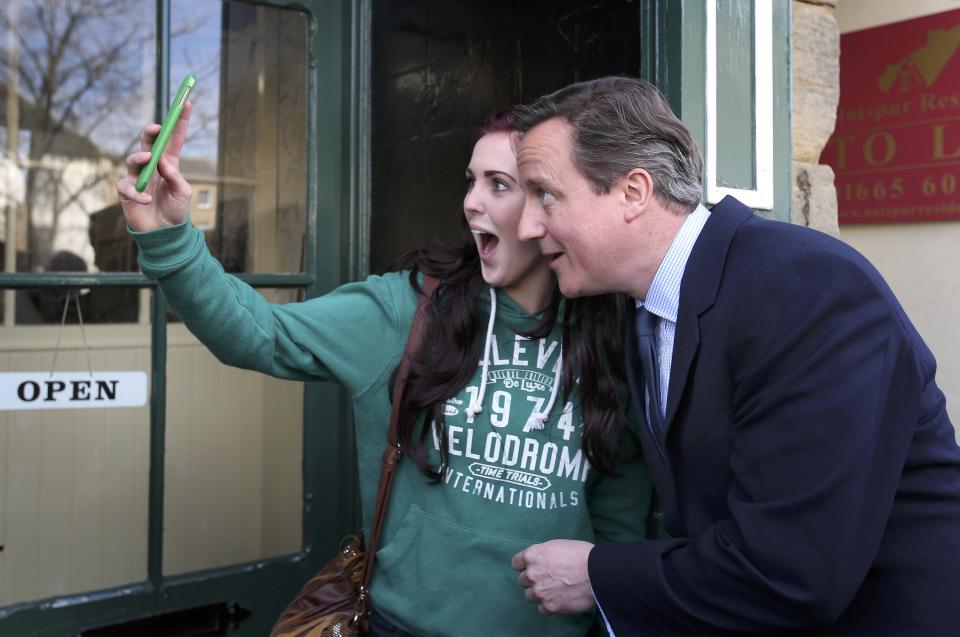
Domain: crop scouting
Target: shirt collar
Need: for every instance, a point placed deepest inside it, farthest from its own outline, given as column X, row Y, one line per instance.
column 663, row 297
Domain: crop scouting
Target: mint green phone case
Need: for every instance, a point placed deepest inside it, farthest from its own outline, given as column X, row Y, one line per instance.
column 160, row 143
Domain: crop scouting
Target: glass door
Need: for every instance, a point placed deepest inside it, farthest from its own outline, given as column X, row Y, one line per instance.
column 205, row 506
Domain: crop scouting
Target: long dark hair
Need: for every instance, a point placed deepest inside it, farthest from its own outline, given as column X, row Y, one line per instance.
column 453, row 338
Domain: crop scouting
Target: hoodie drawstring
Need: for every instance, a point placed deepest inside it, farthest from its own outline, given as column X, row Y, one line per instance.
column 476, row 407
column 538, row 419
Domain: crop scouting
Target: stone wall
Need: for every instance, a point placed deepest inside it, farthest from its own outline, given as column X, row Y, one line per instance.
column 815, row 44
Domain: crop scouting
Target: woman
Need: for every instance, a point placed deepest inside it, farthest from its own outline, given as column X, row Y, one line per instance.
column 503, row 445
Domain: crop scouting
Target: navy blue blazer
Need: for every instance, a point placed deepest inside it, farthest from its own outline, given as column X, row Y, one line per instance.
column 809, row 471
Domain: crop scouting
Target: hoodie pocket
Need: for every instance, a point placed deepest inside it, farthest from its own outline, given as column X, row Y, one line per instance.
column 436, row 577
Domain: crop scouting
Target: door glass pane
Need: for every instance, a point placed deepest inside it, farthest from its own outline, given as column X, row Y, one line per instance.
column 73, row 482
column 77, row 84
column 234, row 438
column 233, row 486
column 440, row 67
column 246, row 154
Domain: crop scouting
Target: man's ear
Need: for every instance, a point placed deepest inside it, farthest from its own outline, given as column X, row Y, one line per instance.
column 637, row 188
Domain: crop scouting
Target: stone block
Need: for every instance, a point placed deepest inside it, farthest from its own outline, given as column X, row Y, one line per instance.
column 816, row 78
column 814, row 202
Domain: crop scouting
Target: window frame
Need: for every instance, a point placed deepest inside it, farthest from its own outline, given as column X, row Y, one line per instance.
column 678, row 62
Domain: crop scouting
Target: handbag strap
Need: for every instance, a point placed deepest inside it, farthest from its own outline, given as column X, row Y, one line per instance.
column 392, row 453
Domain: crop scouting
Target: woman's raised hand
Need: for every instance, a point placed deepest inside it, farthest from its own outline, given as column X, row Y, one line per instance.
column 165, row 200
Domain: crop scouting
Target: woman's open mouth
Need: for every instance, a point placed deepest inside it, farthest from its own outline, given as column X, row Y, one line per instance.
column 486, row 243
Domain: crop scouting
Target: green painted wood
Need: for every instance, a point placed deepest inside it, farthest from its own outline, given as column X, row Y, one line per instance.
column 360, row 176
column 674, row 57
column 782, row 95
column 736, row 90
column 27, row 280
column 158, row 345
column 158, row 438
column 251, row 586
column 662, row 27
column 693, row 72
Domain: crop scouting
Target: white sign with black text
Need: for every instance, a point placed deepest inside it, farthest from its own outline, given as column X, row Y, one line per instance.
column 72, row 390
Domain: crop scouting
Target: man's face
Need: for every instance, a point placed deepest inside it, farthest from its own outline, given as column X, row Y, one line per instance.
column 575, row 228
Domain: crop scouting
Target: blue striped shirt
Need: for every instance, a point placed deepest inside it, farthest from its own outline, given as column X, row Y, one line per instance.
column 663, row 297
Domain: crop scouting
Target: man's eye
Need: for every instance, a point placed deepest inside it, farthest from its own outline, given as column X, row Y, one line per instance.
column 545, row 196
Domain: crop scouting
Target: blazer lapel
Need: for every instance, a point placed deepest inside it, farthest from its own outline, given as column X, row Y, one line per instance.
column 685, row 345
column 698, row 291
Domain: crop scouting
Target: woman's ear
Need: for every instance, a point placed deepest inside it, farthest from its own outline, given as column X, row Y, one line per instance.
column 637, row 188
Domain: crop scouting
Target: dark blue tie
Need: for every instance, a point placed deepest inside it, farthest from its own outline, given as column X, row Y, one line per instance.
column 646, row 326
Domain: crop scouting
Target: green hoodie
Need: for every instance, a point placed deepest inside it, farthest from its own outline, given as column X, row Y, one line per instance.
column 444, row 563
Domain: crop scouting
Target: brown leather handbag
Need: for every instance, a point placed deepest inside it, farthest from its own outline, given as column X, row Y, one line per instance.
column 336, row 601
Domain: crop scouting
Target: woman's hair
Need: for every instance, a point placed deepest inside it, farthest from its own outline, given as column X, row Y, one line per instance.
column 453, row 340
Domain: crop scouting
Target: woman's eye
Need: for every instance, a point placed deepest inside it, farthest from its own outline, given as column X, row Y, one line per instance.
column 470, row 182
column 499, row 186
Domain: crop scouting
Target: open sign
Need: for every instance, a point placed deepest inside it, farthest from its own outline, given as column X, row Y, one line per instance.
column 72, row 390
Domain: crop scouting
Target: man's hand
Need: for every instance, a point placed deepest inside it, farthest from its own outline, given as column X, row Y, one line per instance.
column 554, row 575
column 165, row 200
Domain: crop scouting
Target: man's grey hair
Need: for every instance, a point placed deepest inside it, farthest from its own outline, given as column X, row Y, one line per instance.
column 622, row 123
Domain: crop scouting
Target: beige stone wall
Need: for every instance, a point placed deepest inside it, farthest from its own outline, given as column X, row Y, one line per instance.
column 816, row 90
column 919, row 260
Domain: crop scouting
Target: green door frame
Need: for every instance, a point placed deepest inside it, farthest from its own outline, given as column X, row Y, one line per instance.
column 336, row 251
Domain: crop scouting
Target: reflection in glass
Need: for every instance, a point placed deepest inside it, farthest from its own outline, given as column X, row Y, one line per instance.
column 77, row 83
column 246, row 154
column 70, row 306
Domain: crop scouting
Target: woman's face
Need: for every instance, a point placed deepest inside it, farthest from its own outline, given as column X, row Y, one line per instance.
column 492, row 206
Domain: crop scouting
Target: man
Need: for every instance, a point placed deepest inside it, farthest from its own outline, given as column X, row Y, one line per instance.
column 801, row 449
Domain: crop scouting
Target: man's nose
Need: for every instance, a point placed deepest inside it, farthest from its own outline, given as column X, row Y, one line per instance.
column 530, row 227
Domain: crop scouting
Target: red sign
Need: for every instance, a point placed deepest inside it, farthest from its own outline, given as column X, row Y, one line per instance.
column 896, row 147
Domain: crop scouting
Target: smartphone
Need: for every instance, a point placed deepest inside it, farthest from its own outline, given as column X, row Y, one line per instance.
column 160, row 143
